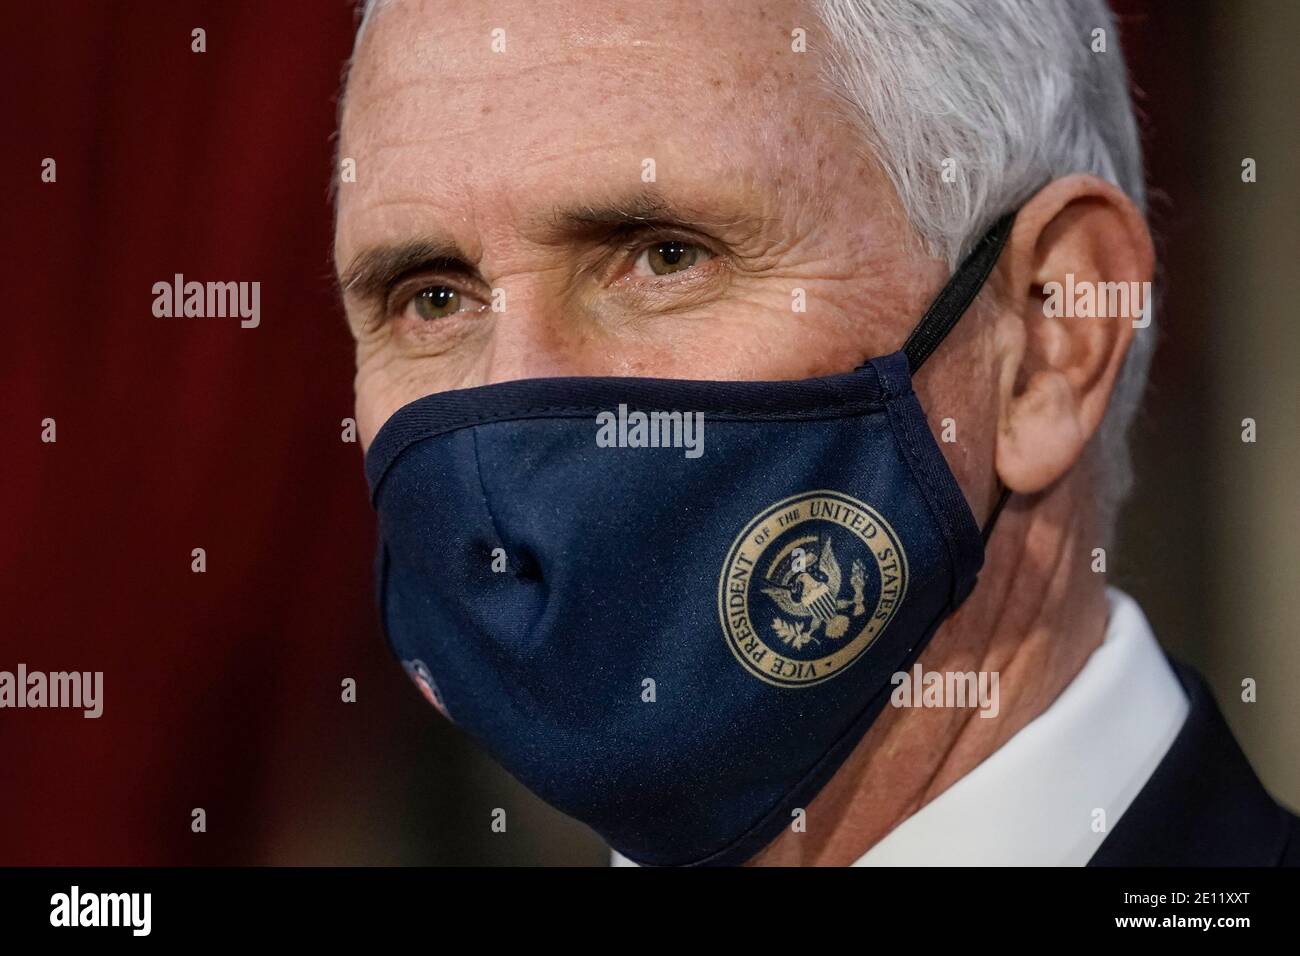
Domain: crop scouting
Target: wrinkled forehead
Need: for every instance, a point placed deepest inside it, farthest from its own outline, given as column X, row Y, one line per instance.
column 692, row 41
column 519, row 88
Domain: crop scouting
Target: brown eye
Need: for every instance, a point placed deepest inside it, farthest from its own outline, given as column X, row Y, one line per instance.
column 665, row 258
column 436, row 302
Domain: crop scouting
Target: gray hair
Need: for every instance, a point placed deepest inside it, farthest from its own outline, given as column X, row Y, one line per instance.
column 1010, row 91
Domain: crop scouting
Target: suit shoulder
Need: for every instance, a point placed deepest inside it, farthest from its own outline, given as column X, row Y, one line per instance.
column 1291, row 854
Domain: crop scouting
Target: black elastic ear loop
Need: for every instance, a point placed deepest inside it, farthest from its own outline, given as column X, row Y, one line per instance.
column 993, row 515
column 950, row 305
column 955, row 298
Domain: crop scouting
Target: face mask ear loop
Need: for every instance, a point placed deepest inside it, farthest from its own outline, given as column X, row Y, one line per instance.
column 955, row 297
column 950, row 305
column 993, row 515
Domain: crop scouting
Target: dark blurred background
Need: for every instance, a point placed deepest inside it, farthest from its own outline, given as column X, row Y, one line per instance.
column 223, row 689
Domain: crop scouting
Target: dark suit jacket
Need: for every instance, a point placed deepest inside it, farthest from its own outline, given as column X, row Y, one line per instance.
column 1203, row 806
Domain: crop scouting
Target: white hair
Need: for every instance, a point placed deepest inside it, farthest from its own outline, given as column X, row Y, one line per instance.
column 1013, row 93
column 366, row 9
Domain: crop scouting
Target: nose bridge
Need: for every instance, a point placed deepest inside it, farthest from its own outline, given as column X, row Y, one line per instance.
column 535, row 335
column 538, row 331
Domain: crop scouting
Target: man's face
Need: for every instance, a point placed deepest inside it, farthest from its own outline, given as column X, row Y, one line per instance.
column 649, row 189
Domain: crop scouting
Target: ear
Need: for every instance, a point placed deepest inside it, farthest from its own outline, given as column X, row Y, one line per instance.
column 1060, row 344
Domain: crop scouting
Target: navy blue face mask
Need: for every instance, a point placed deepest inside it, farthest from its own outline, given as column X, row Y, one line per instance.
column 678, row 650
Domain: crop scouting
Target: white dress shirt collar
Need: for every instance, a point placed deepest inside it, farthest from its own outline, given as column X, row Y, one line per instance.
column 1034, row 801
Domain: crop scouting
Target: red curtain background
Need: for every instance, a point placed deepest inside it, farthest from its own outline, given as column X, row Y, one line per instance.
column 222, row 689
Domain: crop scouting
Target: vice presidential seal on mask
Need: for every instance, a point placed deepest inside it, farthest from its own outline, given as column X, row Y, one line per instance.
column 824, row 615
column 769, row 589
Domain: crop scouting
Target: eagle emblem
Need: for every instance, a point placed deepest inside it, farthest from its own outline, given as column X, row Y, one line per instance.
column 806, row 586
column 795, row 604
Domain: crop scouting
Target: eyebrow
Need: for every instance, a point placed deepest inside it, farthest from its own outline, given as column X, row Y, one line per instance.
column 373, row 270
column 640, row 208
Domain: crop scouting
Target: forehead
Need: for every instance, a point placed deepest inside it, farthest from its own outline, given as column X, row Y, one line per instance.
column 471, row 103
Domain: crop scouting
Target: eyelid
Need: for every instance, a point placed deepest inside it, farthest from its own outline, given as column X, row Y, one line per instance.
column 652, row 234
column 643, row 240
column 399, row 295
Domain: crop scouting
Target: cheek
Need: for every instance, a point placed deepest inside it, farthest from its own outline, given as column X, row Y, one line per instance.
column 378, row 393
column 777, row 330
column 368, row 412
column 389, row 377
column 960, row 403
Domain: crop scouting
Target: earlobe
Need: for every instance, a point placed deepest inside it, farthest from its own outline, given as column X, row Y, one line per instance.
column 1077, row 271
